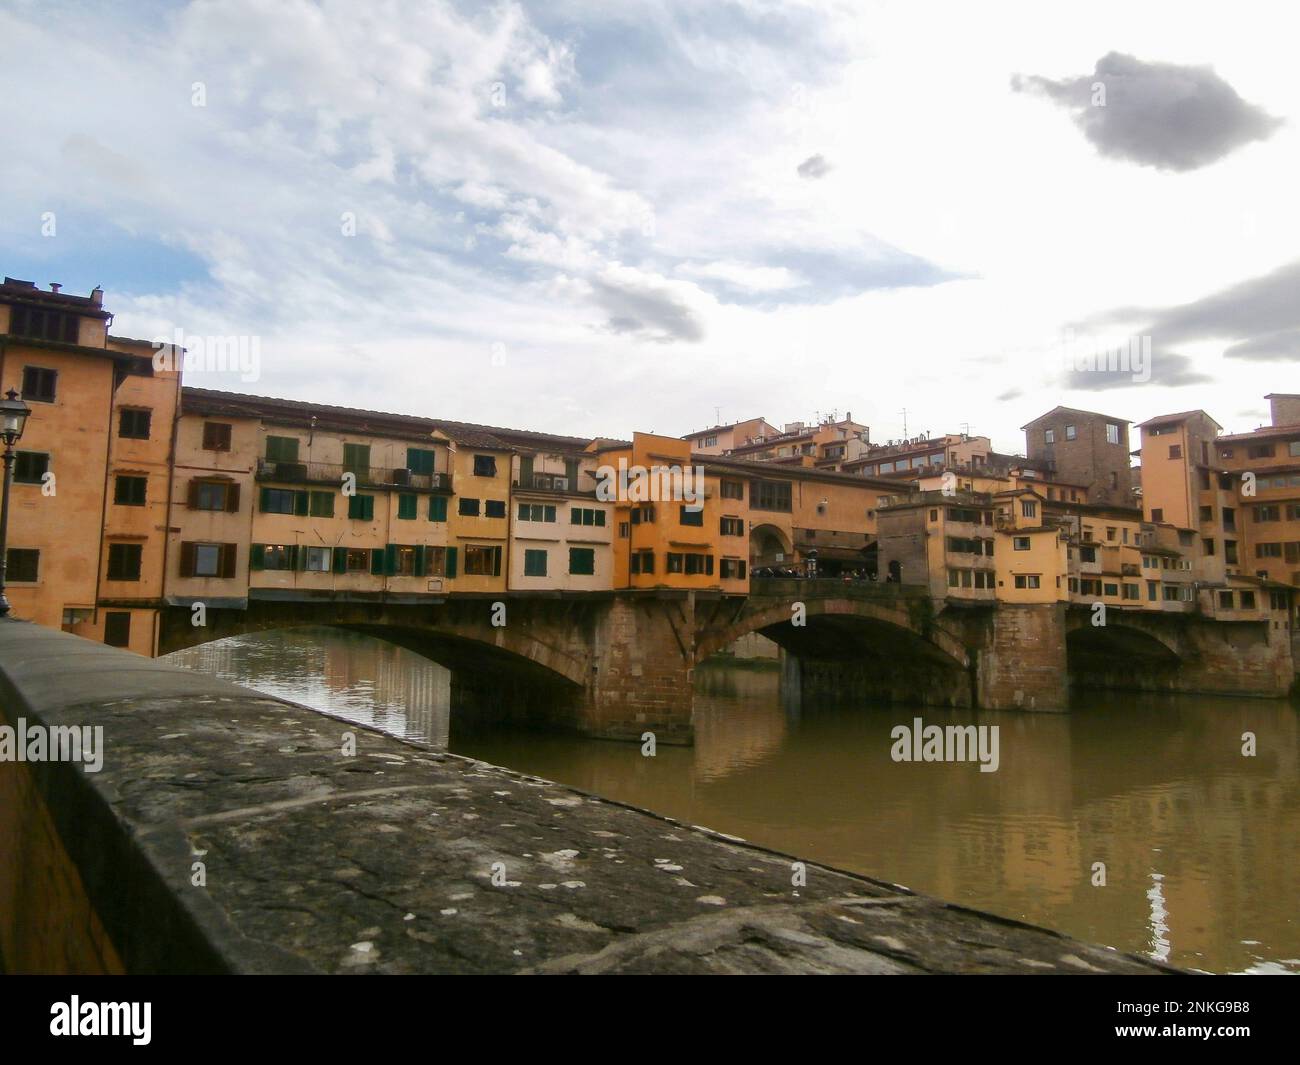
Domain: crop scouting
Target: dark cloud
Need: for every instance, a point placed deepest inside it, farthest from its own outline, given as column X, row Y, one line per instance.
column 1008, row 395
column 645, row 310
column 814, row 167
column 1156, row 114
column 1282, row 346
column 1168, row 368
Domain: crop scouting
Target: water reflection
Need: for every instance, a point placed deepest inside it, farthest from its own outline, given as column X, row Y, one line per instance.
column 1198, row 842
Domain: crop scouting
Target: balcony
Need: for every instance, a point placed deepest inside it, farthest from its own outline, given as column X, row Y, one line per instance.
column 552, row 482
column 332, row 473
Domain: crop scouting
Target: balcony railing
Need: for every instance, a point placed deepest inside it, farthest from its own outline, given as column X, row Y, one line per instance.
column 553, row 482
column 368, row 477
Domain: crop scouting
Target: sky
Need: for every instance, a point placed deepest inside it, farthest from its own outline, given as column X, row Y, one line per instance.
column 591, row 218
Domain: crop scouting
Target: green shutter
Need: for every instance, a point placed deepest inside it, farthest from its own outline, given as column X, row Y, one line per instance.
column 300, row 503
column 437, row 508
column 406, row 506
column 571, row 472
column 390, row 559
column 526, row 471
column 340, row 560
column 257, row 556
column 262, row 499
column 377, row 561
column 600, row 517
column 421, row 561
column 496, row 562
column 451, row 562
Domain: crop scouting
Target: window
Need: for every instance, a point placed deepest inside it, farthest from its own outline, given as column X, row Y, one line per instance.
column 40, row 324
column 710, row 441
column 207, row 559
column 467, row 508
column 687, row 516
column 419, row 460
column 30, row 467
column 624, row 529
column 117, row 628
column 582, row 561
column 357, row 560
column 1110, row 589
column 1029, row 508
column 1269, row 512
column 317, row 560
column 484, row 466
column 1230, row 552
column 699, row 564
column 1020, row 543
column 215, row 495
column 1086, row 554
column 280, row 501
column 586, row 516
column 731, row 527
column 1157, row 514
column 1049, row 436
column 437, row 508
column 642, row 562
column 1069, row 432
column 39, row 384
column 536, row 512
column 1133, row 591
column 1247, row 600
column 404, row 561
column 356, row 459
column 1112, row 433
column 1225, row 600
column 133, row 424
column 406, row 505
column 282, row 449
column 770, row 495
column 1027, row 580
column 534, row 563
column 483, row 561
column 271, row 556
column 1260, row 451
column 495, row 508
column 1229, row 519
column 124, row 562
column 216, row 436
column 1293, row 448
column 22, row 565
column 1268, row 550
column 732, row 489
column 129, row 491
column 321, row 505
column 732, row 569
column 361, row 508
column 643, row 515
column 1152, row 589
column 1175, row 451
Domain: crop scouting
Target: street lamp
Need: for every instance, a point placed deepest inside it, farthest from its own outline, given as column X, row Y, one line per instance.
column 13, row 418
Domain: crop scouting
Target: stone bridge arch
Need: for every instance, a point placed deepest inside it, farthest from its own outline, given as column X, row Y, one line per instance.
column 770, row 613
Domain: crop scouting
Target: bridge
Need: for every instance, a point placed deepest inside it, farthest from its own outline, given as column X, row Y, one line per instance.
column 619, row 664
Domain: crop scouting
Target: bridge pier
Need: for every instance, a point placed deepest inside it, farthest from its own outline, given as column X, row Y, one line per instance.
column 1022, row 663
column 642, row 670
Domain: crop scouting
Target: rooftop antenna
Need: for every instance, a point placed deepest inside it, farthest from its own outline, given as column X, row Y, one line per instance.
column 717, row 415
column 965, row 428
column 903, row 412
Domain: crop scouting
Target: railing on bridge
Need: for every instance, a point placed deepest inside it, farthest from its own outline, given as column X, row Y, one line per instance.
column 825, row 587
column 332, row 473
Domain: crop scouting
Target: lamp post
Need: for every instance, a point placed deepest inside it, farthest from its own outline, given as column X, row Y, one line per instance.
column 13, row 417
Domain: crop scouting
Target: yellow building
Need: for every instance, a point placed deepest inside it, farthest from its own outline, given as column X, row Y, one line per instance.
column 89, row 498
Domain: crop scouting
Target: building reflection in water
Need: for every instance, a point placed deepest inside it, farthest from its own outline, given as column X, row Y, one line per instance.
column 344, row 673
column 1133, row 781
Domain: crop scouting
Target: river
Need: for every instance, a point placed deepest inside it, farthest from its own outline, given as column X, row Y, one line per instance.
column 1198, row 844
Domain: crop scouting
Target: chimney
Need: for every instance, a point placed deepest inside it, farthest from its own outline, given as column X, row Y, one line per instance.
column 97, row 296
column 55, row 286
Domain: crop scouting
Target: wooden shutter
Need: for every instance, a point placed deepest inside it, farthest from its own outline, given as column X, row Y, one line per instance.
column 420, row 560
column 339, row 560
column 451, row 562
column 496, row 562
column 263, row 496
column 187, row 559
column 390, row 560
column 300, row 501
column 257, row 556
column 298, row 557
column 232, row 497
column 377, row 561
column 227, row 561
column 437, row 508
column 192, row 494
column 526, row 471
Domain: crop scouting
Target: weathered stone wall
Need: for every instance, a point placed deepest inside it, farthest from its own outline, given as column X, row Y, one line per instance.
column 1022, row 663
